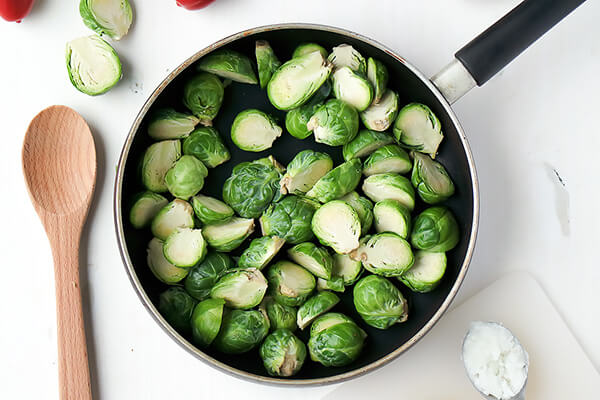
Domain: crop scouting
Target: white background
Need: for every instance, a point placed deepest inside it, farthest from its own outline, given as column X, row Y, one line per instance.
column 539, row 116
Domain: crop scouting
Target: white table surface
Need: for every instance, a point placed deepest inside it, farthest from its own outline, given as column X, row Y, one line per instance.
column 535, row 121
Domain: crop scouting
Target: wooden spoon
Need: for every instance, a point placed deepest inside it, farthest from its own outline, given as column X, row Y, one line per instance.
column 59, row 164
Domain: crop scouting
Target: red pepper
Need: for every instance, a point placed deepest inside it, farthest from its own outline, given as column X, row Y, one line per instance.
column 192, row 4
column 15, row 10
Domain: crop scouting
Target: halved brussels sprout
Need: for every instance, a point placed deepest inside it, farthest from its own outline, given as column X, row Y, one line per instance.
column 203, row 95
column 206, row 321
column 435, row 229
column 203, row 276
column 353, row 88
column 364, row 209
column 391, row 158
column 93, row 65
column 381, row 115
column 365, row 143
column 186, row 177
column 390, row 186
column 319, row 304
column 378, row 76
column 335, row 123
column 241, row 331
column 260, row 252
column 431, row 179
column 229, row 64
column 336, row 283
column 379, row 302
column 206, row 145
column 335, row 340
column 185, row 247
column 385, row 254
column 289, row 283
column 145, row 207
column 107, row 17
column 289, row 219
column 327, row 321
column 426, row 273
column 280, row 316
column 305, row 169
column 210, row 210
column 242, row 288
column 176, row 214
column 162, row 269
column 297, row 80
column 306, row 48
column 337, row 225
column 345, row 55
column 419, row 129
column 392, row 216
column 283, row 354
column 336, row 183
column 176, row 306
column 158, row 159
column 266, row 61
column 315, row 259
column 228, row 235
column 253, row 130
column 297, row 118
column 167, row 123
column 346, row 268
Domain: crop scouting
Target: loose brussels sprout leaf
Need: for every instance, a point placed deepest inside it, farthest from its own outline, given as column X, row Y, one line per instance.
column 327, row 321
column 289, row 283
column 385, row 254
column 158, row 159
column 305, row 169
column 378, row 76
column 364, row 209
column 176, row 214
column 352, row 88
column 380, row 115
column 167, row 123
column 228, row 235
column 267, row 62
column 145, row 207
column 241, row 331
column 206, row 321
column 346, row 268
column 427, row 272
column 229, row 64
column 315, row 306
column 162, row 269
column 203, row 276
column 335, row 123
column 336, row 345
column 210, row 210
column 176, row 306
column 336, row 183
column 431, row 179
column 203, row 95
column 435, row 229
column 379, row 302
column 186, row 177
column 337, row 225
column 253, row 130
column 315, row 259
column 345, row 55
column 242, row 288
column 418, row 128
column 289, row 219
column 93, row 65
column 390, row 186
column 282, row 353
column 306, row 48
column 297, row 80
column 390, row 158
column 206, row 145
column 260, row 252
column 392, row 216
column 107, row 17
column 185, row 247
column 280, row 316
column 365, row 143
column 336, row 283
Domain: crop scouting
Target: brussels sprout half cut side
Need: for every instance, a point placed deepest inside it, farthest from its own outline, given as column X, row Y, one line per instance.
column 385, row 254
column 210, row 210
column 315, row 259
column 145, row 207
column 305, row 169
column 283, row 354
column 186, row 177
column 289, row 219
column 391, row 216
column 365, row 143
column 379, row 302
column 167, row 123
column 337, row 341
column 435, row 229
column 418, row 128
column 107, row 17
column 228, row 235
column 242, row 288
column 430, row 179
column 289, row 283
column 203, row 276
column 176, row 306
column 267, row 62
column 176, row 214
column 260, row 252
column 377, row 74
column 206, row 145
column 390, row 158
column 427, row 272
column 306, row 48
column 241, row 331
column 335, row 123
column 315, row 306
column 229, row 64
column 352, row 88
column 185, row 247
column 346, row 268
column 158, row 159
column 203, row 96
column 253, row 130
column 336, row 183
column 206, row 321
column 280, row 316
column 390, row 186
column 345, row 55
column 162, row 269
column 379, row 116
column 364, row 209
column 337, row 225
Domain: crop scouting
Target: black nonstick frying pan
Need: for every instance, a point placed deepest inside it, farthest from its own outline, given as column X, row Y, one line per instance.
column 475, row 64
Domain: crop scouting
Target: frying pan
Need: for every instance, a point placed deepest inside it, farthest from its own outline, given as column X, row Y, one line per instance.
column 474, row 64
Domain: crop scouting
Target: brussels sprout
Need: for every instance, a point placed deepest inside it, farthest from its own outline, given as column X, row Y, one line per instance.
column 229, row 64
column 228, row 235
column 335, row 340
column 176, row 306
column 319, row 304
column 107, row 17
column 419, row 129
column 335, row 123
column 289, row 219
column 392, row 216
column 253, row 130
column 282, row 353
column 280, row 316
column 385, row 254
column 336, row 183
column 352, row 88
column 210, row 210
column 345, row 55
column 251, row 187
column 271, row 162
column 431, row 179
column 260, row 252
column 242, row 288
column 185, row 247
column 206, row 145
column 305, row 169
column 241, row 331
column 159, row 158
column 380, row 115
column 289, row 283
column 315, row 259
column 365, row 143
column 145, row 207
column 267, row 62
column 379, row 302
column 203, row 95
column 186, row 177
column 176, row 214
column 426, row 273
column 297, row 118
column 390, row 186
column 390, row 158
column 435, row 229
column 206, row 321
column 346, row 268
column 167, row 123
column 297, row 80
column 203, row 276
column 378, row 76
column 306, row 48
column 364, row 209
column 336, row 283
column 93, row 65
column 162, row 269
column 337, row 225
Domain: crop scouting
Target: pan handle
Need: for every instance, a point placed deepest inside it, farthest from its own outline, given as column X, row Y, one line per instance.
column 497, row 46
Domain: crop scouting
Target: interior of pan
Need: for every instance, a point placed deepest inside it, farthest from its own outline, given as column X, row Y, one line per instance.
column 380, row 343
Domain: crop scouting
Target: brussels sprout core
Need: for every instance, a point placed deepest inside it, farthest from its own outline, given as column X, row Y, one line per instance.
column 253, row 130
column 380, row 116
column 304, row 171
column 176, row 214
column 427, row 272
column 110, row 17
column 352, row 88
column 390, row 186
column 185, row 247
column 241, row 289
column 228, row 235
column 229, row 64
column 160, row 266
column 385, row 254
column 390, row 158
column 336, row 224
column 345, row 55
column 418, row 128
